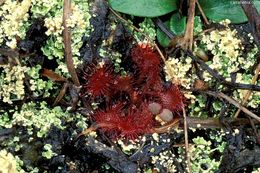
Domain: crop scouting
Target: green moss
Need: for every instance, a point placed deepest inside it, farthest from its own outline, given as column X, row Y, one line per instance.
column 78, row 23
column 5, row 121
column 147, row 27
column 226, row 49
column 197, row 25
column 201, row 153
column 256, row 170
column 79, row 120
column 8, row 162
column 48, row 153
column 14, row 21
column 37, row 119
column 42, row 118
column 37, row 85
column 12, row 84
column 229, row 59
column 115, row 57
column 42, row 8
column 197, row 109
column 13, row 164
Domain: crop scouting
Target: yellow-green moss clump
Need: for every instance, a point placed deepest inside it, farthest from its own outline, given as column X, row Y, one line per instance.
column 14, row 21
column 227, row 50
column 38, row 86
column 9, row 163
column 37, row 119
column 13, row 164
column 79, row 26
column 11, row 81
column 164, row 159
column 201, row 152
column 41, row 118
column 178, row 72
column 228, row 58
column 148, row 28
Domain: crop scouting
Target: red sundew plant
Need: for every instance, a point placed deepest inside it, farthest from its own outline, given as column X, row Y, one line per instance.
column 117, row 122
column 110, row 118
column 123, row 83
column 148, row 63
column 136, row 122
column 99, row 82
column 145, row 58
column 131, row 116
column 171, row 98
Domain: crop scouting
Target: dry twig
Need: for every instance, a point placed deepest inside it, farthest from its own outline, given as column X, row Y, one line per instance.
column 53, row 76
column 185, row 125
column 188, row 37
column 202, row 13
column 233, row 102
column 167, row 127
column 61, row 93
column 253, row 18
column 212, row 123
column 2, row 2
column 67, row 43
column 9, row 52
column 163, row 28
column 248, row 93
column 220, row 78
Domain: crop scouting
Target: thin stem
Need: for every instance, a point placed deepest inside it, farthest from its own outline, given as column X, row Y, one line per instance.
column 234, row 102
column 253, row 19
column 248, row 93
column 162, row 27
column 188, row 37
column 186, row 138
column 67, row 43
column 202, row 13
column 220, row 78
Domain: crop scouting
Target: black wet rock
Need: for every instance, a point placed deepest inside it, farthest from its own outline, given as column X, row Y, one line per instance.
column 99, row 22
column 233, row 153
column 144, row 154
column 122, row 40
column 115, row 159
column 35, row 37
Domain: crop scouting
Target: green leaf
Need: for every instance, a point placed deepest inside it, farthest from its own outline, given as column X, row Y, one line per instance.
column 162, row 38
column 218, row 10
column 176, row 24
column 144, row 8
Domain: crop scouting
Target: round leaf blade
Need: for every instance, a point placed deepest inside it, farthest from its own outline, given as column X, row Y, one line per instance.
column 162, row 38
column 144, row 8
column 177, row 24
column 218, row 10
